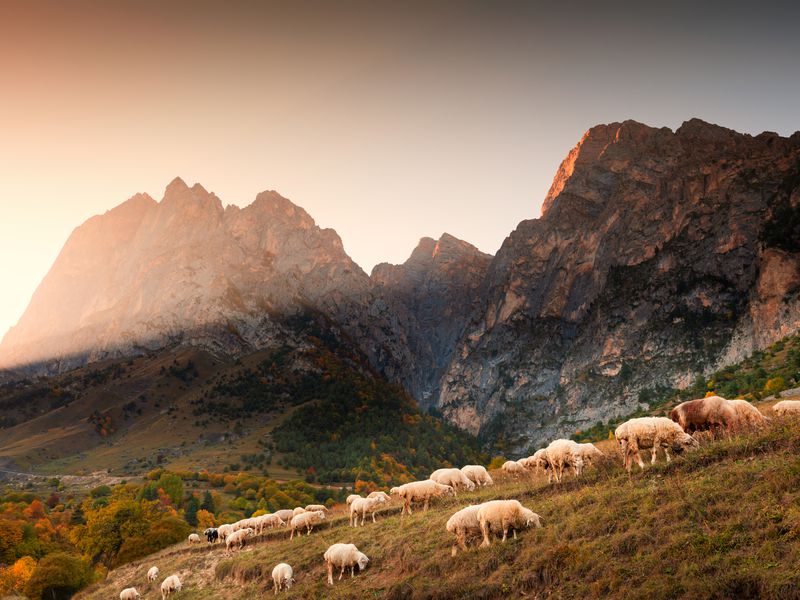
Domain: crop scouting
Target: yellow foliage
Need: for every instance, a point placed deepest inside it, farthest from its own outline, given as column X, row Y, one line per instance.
column 710, row 393
column 14, row 578
column 205, row 519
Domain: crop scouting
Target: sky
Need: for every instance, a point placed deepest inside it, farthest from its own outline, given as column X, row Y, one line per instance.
column 387, row 121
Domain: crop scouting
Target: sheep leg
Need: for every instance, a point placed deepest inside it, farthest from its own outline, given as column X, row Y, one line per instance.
column 373, row 518
column 275, row 585
column 342, row 573
column 514, row 531
column 666, row 453
column 485, row 531
column 653, row 454
column 505, row 532
column 329, row 568
column 352, row 571
column 425, row 506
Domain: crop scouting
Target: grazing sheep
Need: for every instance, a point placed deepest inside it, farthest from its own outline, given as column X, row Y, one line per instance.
column 383, row 496
column 194, row 538
column 269, row 522
column 713, row 413
column 747, row 414
column 502, row 515
column 129, row 594
column 513, row 468
column 477, row 474
column 169, row 585
column 589, row 453
column 786, row 407
column 212, row 535
column 298, row 511
column 152, row 574
column 285, row 514
column 420, row 491
column 223, row 531
column 343, row 556
column 464, row 524
column 282, row 577
column 238, row 538
column 307, row 520
column 454, row 478
column 539, row 461
column 352, row 497
column 321, row 507
column 564, row 454
column 362, row 506
column 654, row 433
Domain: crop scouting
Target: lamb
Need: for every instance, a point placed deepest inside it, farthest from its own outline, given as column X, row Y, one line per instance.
column 747, row 414
column 343, row 556
column 194, row 538
column 362, row 506
column 713, row 413
column 563, row 454
column 307, row 520
column 454, row 478
column 787, row 408
column 152, row 574
column 212, row 535
column 420, row 491
column 502, row 515
column 477, row 474
column 352, row 497
column 285, row 514
column 129, row 594
column 238, row 538
column 282, row 577
column 169, row 585
column 383, row 496
column 654, row 433
column 513, row 468
column 464, row 524
column 321, row 507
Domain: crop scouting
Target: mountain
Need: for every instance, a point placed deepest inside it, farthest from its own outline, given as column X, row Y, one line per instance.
column 659, row 255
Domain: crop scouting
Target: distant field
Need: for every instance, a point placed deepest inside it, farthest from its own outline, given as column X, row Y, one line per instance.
column 723, row 522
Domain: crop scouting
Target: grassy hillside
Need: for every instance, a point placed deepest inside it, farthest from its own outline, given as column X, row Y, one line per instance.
column 723, row 522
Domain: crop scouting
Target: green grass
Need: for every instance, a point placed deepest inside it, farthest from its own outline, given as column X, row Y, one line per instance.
column 723, row 522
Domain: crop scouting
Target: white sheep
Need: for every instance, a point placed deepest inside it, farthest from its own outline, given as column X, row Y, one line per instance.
column 454, row 478
column 748, row 415
column 321, row 507
column 654, row 433
column 343, row 556
column 194, row 538
column 306, row 520
column 238, row 538
column 787, row 407
column 129, row 594
column 464, row 524
column 152, row 574
column 269, row 522
column 223, row 531
column 420, row 491
column 538, row 461
column 513, row 468
column 564, row 454
column 282, row 577
column 383, row 496
column 478, row 475
column 352, row 497
column 362, row 506
column 502, row 515
column 284, row 514
column 169, row 585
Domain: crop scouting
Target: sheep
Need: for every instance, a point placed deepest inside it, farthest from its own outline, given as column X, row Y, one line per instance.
column 463, row 524
column 786, row 408
column 194, row 538
column 502, row 515
column 282, row 577
column 152, row 574
column 651, row 432
column 454, row 478
column 713, row 413
column 285, row 514
column 269, row 521
column 169, row 585
column 362, row 506
column 223, row 531
column 321, row 507
column 129, row 594
column 562, row 454
column 513, row 468
column 478, row 475
column 382, row 496
column 747, row 414
column 307, row 520
column 343, row 556
column 352, row 497
column 212, row 535
column 539, row 461
column 238, row 538
column 420, row 491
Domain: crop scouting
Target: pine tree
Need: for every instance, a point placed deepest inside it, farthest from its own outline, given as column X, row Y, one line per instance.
column 192, row 507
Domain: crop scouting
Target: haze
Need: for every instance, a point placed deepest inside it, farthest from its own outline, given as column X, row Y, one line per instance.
column 386, row 121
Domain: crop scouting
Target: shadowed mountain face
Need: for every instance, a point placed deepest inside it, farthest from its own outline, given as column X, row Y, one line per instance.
column 659, row 255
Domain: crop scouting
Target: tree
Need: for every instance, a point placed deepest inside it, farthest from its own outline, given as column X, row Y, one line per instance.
column 14, row 578
column 191, row 511
column 57, row 577
column 208, row 502
column 172, row 486
column 205, row 519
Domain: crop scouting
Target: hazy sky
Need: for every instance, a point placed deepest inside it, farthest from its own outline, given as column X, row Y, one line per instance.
column 386, row 121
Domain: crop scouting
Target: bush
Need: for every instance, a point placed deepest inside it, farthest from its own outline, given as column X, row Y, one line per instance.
column 57, row 577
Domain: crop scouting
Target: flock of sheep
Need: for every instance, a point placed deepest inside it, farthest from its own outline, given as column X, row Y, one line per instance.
column 714, row 414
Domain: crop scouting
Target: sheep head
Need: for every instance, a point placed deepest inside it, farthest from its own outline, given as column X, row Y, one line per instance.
column 362, row 561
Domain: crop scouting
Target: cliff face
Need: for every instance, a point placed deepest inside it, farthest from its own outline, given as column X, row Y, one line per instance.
column 658, row 255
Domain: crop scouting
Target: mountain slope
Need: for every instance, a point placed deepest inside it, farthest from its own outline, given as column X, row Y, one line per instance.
column 658, row 255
